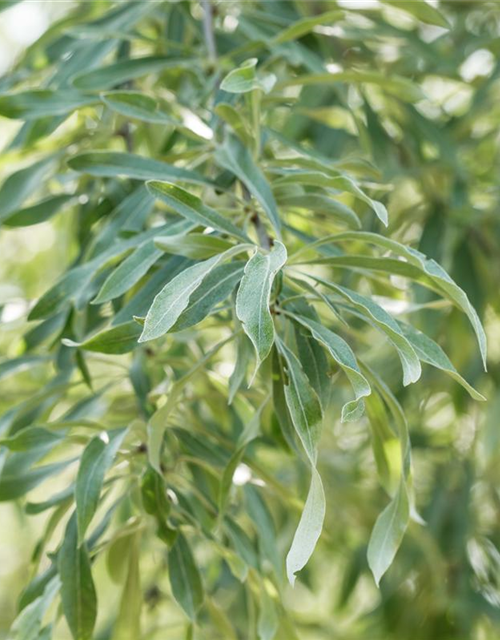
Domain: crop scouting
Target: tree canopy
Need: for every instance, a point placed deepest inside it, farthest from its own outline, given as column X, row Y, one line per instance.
column 249, row 267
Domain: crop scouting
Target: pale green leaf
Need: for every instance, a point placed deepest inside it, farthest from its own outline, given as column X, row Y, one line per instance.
column 78, row 595
column 421, row 10
column 306, row 25
column 185, row 578
column 192, row 208
column 309, row 528
column 114, row 74
column 21, row 184
column 27, row 625
column 253, row 298
column 388, row 533
column 134, row 104
column 96, row 459
column 117, row 340
column 237, row 159
column 109, row 164
column 174, row 297
column 342, row 353
column 431, row 353
column 38, row 104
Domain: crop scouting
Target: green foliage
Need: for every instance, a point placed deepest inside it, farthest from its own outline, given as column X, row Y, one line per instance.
column 215, row 382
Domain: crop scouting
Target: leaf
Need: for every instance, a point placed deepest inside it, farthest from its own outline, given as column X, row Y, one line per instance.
column 306, row 25
column 193, row 209
column 437, row 275
column 29, row 105
column 322, row 204
column 303, row 404
column 78, row 596
column 235, row 120
column 342, row 353
column 116, row 340
column 244, row 79
column 28, row 623
column 21, row 184
column 236, row 158
column 400, row 87
column 134, row 104
column 215, row 288
column 32, row 438
column 253, row 298
column 341, row 183
column 130, row 271
column 268, row 621
column 185, row 578
column 409, row 360
column 308, row 530
column 198, row 246
column 305, row 412
column 118, row 72
column 96, row 460
column 14, row 485
column 128, row 622
column 237, row 377
column 109, row 164
column 431, row 353
column 12, row 366
column 174, row 297
column 139, row 303
column 422, row 11
column 39, row 212
column 388, row 533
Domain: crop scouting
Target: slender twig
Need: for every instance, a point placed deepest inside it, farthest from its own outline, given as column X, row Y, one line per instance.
column 208, row 29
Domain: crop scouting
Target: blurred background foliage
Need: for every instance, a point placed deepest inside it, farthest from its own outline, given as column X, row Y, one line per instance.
column 440, row 158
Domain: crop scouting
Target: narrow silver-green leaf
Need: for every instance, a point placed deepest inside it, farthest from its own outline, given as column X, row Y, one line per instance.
column 431, row 353
column 174, row 297
column 185, row 578
column 134, row 104
column 117, row 340
column 215, row 288
column 128, row 621
column 118, row 72
column 38, row 212
column 342, row 353
column 306, row 25
column 303, row 404
column 29, row 105
column 78, row 595
column 21, row 184
column 129, row 272
column 437, row 275
column 388, row 533
column 253, row 298
column 192, row 208
column 308, row 530
column 27, row 625
column 237, row 159
column 109, row 164
column 97, row 458
column 198, row 246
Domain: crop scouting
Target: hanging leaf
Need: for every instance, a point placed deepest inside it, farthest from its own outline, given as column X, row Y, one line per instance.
column 185, row 578
column 96, row 460
column 193, row 209
column 253, row 298
column 78, row 596
column 236, row 158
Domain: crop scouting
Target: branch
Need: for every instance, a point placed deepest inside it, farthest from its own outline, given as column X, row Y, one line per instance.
column 208, row 29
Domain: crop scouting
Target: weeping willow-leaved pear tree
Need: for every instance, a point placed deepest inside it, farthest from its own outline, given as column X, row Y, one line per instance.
column 225, row 275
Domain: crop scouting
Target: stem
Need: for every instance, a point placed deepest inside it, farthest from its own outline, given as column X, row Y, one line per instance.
column 264, row 238
column 208, row 29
